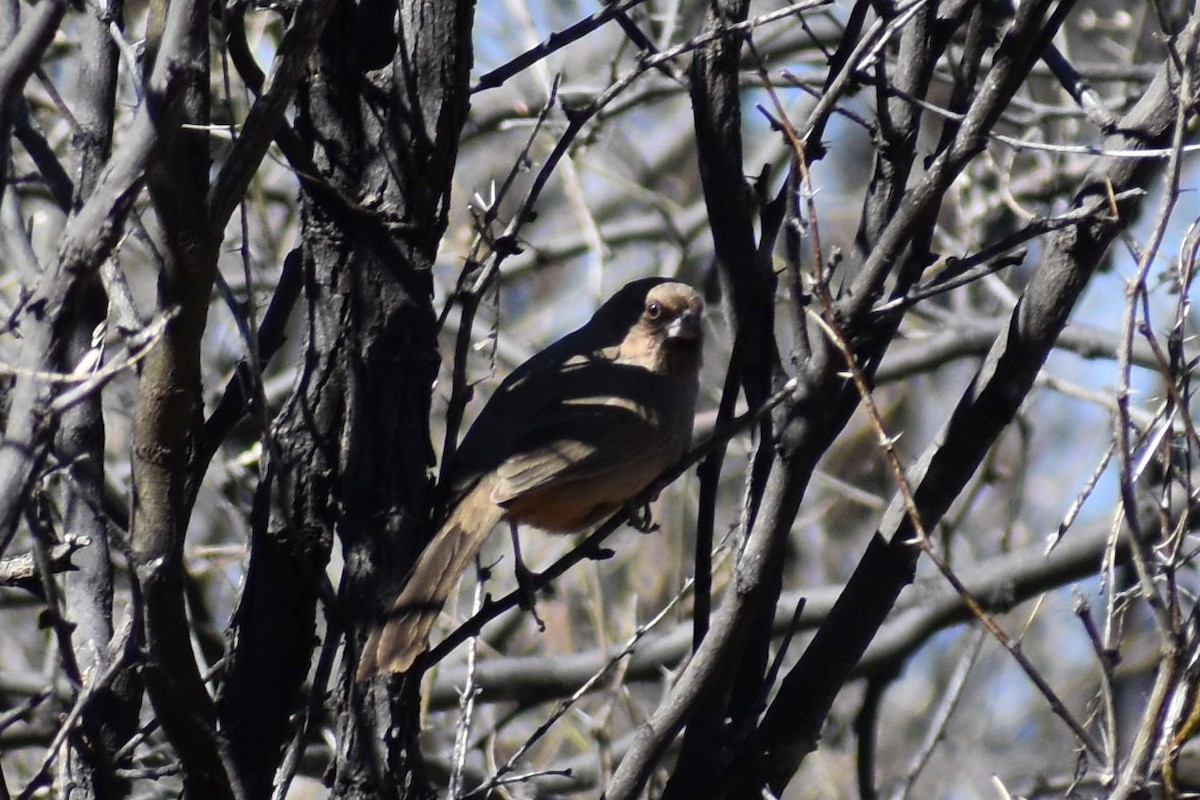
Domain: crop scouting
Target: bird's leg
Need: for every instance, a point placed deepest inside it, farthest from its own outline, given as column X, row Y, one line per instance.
column 524, row 578
column 640, row 518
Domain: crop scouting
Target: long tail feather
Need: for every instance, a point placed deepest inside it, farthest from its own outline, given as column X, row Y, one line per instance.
column 404, row 632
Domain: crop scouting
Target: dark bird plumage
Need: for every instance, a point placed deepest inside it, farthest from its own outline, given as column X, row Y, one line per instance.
column 571, row 436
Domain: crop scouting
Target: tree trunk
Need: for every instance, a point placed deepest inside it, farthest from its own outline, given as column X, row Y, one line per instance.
column 352, row 449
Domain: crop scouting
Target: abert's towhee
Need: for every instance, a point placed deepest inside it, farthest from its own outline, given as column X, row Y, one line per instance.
column 570, row 437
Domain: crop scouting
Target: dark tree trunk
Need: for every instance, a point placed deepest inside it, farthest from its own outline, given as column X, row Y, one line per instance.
column 352, row 448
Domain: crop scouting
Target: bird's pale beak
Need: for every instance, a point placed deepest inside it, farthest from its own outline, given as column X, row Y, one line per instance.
column 686, row 326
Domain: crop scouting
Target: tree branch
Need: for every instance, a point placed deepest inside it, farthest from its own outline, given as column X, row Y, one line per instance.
column 790, row 728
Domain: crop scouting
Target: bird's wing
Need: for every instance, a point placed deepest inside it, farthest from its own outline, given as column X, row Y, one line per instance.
column 578, row 439
column 569, row 420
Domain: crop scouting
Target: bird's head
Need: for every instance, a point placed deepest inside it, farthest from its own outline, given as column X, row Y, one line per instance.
column 656, row 323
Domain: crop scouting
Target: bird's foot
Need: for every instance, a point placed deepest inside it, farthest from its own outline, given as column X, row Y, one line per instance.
column 640, row 518
column 528, row 591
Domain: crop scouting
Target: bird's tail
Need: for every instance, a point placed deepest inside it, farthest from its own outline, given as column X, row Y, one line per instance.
column 403, row 634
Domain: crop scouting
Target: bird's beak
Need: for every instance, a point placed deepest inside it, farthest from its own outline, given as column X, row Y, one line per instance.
column 686, row 326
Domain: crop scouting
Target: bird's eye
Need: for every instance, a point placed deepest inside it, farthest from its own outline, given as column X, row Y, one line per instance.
column 653, row 309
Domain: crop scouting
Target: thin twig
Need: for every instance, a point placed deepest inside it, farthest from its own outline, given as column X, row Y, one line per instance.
column 1135, row 288
column 552, row 44
column 1107, row 658
column 565, row 705
column 936, row 726
column 577, row 118
column 922, row 538
column 21, row 570
column 121, row 655
column 827, row 321
column 316, row 699
column 472, row 286
column 470, row 692
column 89, row 380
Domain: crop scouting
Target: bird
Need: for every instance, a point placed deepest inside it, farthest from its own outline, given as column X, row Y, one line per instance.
column 570, row 437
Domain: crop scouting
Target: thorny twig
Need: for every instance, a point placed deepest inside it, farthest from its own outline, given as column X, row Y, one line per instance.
column 565, row 705
column 827, row 321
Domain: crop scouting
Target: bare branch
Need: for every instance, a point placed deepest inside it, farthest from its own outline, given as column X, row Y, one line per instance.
column 20, row 572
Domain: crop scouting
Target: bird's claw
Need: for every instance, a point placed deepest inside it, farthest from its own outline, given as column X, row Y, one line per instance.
column 640, row 518
column 527, row 592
